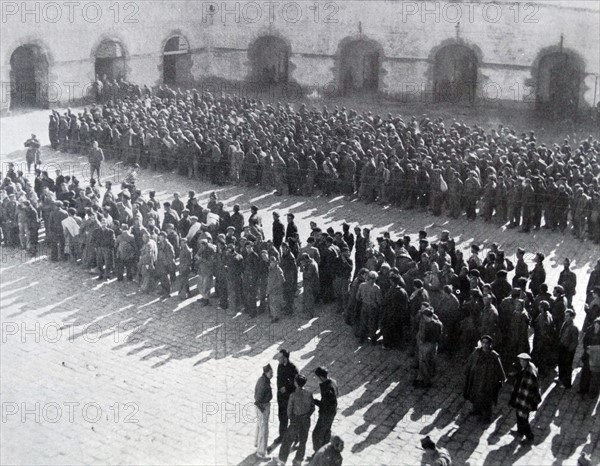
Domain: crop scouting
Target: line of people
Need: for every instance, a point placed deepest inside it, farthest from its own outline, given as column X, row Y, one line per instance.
column 421, row 297
column 499, row 175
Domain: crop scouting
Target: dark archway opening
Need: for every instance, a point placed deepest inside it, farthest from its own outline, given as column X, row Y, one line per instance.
column 270, row 59
column 28, row 77
column 455, row 74
column 359, row 68
column 110, row 61
column 558, row 83
column 177, row 61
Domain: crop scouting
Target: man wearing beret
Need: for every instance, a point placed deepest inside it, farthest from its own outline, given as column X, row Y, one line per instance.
column 484, row 377
column 327, row 408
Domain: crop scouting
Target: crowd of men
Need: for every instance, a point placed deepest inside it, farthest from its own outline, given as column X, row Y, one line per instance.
column 499, row 175
column 410, row 293
column 407, row 293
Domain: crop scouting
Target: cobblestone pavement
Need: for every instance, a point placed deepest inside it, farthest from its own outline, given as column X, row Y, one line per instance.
column 98, row 373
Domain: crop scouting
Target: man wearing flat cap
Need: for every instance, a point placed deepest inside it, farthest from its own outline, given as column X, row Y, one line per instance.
column 484, row 376
column 262, row 400
column 526, row 396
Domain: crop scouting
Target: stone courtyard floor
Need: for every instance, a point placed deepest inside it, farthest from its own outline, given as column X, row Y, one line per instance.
column 97, row 373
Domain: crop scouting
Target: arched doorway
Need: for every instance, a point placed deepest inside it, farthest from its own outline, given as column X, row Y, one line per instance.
column 28, row 77
column 455, row 74
column 359, row 66
column 270, row 59
column 177, row 61
column 110, row 60
column 559, row 79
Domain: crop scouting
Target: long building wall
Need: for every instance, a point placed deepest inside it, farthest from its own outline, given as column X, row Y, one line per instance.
column 508, row 40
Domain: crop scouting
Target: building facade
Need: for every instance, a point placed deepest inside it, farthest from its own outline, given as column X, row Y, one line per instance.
column 544, row 53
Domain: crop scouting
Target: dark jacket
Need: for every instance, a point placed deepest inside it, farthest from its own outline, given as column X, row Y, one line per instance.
column 329, row 393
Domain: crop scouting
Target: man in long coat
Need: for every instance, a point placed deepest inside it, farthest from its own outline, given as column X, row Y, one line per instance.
column 395, row 314
column 484, row 377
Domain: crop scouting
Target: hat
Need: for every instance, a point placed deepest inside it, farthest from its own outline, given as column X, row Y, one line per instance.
column 427, row 443
column 571, row 311
column 520, row 251
column 275, row 214
column 230, row 227
column 321, row 372
column 285, row 353
column 524, row 356
column 267, row 368
column 475, row 273
column 560, row 289
column 597, row 320
column 487, row 337
column 373, row 274
column 475, row 247
column 253, row 208
column 428, row 312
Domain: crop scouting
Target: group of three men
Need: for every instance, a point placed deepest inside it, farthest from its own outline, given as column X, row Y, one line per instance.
column 295, row 407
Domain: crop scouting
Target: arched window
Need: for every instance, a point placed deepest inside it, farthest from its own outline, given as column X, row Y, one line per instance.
column 558, row 83
column 176, row 61
column 455, row 74
column 110, row 60
column 359, row 67
column 270, row 56
column 29, row 77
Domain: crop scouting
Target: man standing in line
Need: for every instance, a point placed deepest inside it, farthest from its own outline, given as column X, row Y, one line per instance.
column 262, row 400
column 327, row 409
column 567, row 344
column 300, row 407
column 286, row 373
column 525, row 397
column 278, row 231
column 369, row 294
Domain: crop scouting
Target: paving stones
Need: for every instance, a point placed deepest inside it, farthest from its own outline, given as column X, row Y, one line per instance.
column 174, row 382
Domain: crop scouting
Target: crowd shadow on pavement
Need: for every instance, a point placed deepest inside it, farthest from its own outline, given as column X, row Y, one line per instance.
column 161, row 331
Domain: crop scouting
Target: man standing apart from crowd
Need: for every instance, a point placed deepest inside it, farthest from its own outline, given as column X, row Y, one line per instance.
column 484, row 377
column 428, row 338
column 95, row 158
column 262, row 400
